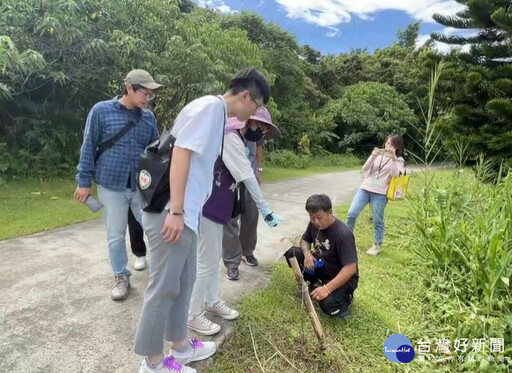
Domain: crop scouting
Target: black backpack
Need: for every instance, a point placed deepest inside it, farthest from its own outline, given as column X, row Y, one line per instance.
column 153, row 175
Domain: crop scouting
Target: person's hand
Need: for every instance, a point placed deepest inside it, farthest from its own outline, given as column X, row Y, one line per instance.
column 391, row 151
column 270, row 217
column 319, row 294
column 376, row 152
column 81, row 194
column 309, row 261
column 173, row 227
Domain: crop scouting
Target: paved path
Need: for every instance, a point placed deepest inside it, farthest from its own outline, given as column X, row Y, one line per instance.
column 55, row 309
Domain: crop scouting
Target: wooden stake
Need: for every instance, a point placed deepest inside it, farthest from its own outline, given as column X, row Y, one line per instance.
column 319, row 331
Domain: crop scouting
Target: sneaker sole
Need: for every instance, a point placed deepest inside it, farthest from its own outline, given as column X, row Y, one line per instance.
column 204, row 332
column 249, row 264
column 139, row 268
column 225, row 317
column 195, row 358
column 232, row 278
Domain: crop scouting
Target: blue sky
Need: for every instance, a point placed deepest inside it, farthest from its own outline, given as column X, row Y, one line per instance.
column 335, row 26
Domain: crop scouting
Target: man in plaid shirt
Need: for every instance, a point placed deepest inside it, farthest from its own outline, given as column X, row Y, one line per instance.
column 115, row 170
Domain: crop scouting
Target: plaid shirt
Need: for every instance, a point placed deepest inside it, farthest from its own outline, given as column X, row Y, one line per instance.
column 117, row 167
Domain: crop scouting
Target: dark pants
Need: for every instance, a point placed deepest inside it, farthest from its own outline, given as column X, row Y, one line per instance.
column 136, row 235
column 339, row 301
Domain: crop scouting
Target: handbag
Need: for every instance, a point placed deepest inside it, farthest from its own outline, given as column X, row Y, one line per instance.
column 239, row 206
column 398, row 187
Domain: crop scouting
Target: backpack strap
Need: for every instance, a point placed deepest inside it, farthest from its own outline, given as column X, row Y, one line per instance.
column 107, row 144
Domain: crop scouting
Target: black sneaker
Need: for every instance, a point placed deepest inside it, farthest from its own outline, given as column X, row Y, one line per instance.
column 233, row 274
column 250, row 260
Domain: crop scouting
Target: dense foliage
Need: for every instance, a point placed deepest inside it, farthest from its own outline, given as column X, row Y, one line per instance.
column 59, row 57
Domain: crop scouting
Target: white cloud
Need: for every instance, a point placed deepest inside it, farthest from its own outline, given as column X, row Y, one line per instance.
column 332, row 13
column 331, row 34
column 219, row 5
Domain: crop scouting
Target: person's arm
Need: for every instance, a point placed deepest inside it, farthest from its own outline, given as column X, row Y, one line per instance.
column 368, row 164
column 87, row 154
column 178, row 175
column 342, row 277
column 154, row 135
column 239, row 167
column 309, row 260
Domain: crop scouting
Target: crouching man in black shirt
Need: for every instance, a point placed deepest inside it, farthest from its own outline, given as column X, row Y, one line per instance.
column 328, row 257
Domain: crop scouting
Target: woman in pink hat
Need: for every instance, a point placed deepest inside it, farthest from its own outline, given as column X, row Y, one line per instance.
column 241, row 233
column 231, row 171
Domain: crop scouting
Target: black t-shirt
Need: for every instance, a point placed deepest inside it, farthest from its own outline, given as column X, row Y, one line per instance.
column 335, row 246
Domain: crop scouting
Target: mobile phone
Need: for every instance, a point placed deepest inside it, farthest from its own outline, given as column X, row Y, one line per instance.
column 93, row 204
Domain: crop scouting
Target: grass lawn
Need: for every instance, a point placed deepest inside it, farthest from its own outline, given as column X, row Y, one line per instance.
column 389, row 300
column 31, row 206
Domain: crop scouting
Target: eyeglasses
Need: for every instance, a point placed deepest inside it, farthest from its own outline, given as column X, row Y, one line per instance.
column 147, row 95
column 256, row 102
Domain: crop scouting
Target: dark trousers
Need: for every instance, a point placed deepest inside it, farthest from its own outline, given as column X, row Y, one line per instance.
column 136, row 235
column 339, row 301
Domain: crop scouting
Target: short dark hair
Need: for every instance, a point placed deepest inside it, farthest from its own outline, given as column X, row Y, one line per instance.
column 135, row 88
column 398, row 143
column 251, row 80
column 318, row 202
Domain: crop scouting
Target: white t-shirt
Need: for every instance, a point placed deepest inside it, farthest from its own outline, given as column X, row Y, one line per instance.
column 199, row 128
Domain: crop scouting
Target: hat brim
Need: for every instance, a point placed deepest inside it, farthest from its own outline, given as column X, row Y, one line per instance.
column 152, row 86
column 272, row 132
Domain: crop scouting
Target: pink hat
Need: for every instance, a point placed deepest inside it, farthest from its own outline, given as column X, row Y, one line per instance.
column 262, row 115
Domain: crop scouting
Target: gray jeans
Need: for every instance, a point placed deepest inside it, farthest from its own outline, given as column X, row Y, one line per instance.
column 172, row 273
column 240, row 240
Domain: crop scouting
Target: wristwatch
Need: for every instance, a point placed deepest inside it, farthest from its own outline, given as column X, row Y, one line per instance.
column 174, row 213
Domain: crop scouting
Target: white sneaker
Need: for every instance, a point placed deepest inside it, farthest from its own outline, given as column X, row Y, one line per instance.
column 220, row 309
column 168, row 365
column 200, row 324
column 140, row 263
column 199, row 351
column 374, row 250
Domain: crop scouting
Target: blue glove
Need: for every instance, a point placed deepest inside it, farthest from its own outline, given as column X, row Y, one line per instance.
column 270, row 218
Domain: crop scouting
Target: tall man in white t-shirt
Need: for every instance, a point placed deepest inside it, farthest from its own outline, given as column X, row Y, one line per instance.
column 173, row 233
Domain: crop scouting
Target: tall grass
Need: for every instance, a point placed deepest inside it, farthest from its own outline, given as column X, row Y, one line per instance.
column 461, row 232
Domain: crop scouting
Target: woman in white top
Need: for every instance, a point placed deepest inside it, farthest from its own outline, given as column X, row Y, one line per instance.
column 381, row 166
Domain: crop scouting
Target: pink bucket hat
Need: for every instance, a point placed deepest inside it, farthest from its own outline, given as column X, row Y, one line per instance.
column 262, row 115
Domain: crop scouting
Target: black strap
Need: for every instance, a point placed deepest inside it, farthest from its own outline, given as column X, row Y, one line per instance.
column 107, row 144
column 223, row 126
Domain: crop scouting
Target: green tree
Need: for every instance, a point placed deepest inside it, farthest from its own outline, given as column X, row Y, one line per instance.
column 482, row 103
column 366, row 114
column 407, row 38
